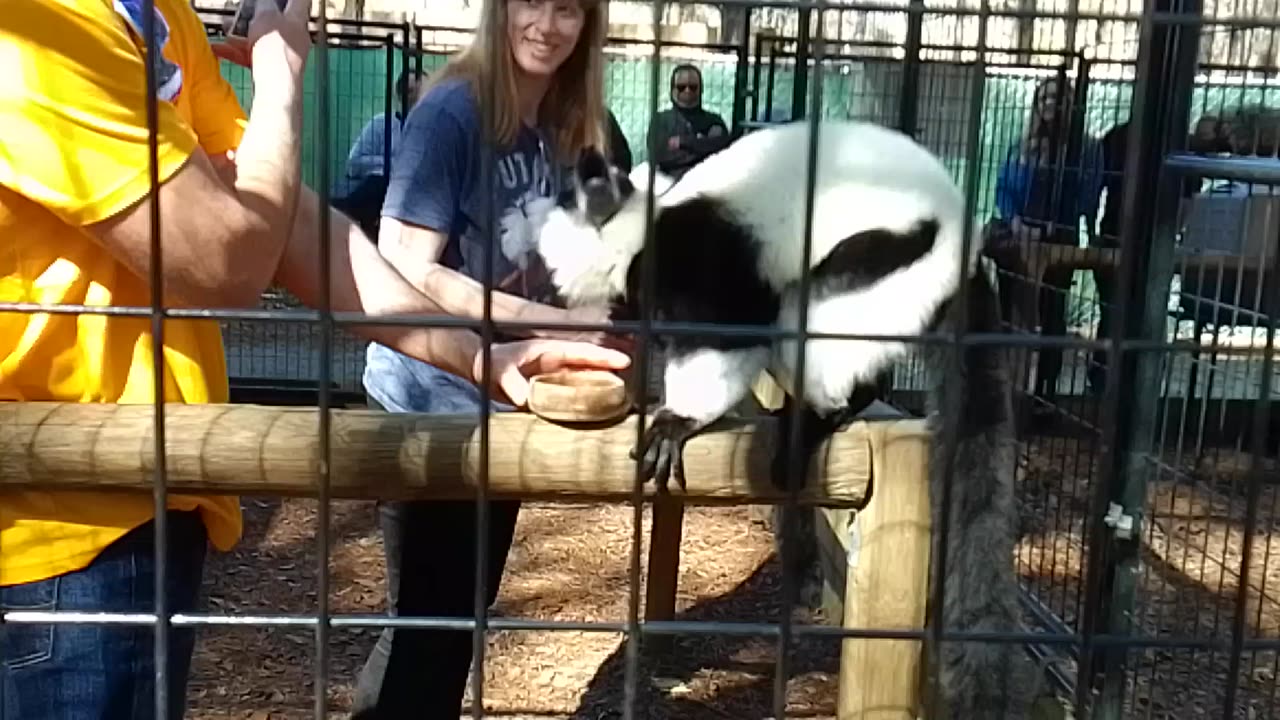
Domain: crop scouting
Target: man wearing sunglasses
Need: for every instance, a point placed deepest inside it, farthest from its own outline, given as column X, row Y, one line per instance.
column 685, row 134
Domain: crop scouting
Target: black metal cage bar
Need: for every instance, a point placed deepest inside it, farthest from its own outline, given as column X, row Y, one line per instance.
column 1124, row 486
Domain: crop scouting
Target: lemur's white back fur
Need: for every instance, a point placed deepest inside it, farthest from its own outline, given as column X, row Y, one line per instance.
column 868, row 177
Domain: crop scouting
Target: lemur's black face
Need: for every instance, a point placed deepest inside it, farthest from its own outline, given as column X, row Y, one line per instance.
column 597, row 227
column 598, row 189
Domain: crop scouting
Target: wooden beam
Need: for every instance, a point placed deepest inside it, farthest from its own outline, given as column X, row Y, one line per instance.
column 768, row 394
column 261, row 450
column 874, row 564
column 663, row 578
column 887, row 583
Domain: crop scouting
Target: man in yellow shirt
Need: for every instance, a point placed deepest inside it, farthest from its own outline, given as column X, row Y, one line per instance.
column 75, row 228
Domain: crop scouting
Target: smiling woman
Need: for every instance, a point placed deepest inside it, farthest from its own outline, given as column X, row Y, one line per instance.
column 539, row 47
column 482, row 154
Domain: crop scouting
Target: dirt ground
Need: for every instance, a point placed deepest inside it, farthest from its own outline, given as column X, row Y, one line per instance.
column 569, row 563
column 1188, row 576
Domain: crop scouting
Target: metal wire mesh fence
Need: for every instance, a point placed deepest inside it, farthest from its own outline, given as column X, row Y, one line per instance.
column 1186, row 580
column 1145, row 468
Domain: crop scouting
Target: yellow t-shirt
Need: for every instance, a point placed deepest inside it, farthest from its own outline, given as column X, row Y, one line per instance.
column 73, row 151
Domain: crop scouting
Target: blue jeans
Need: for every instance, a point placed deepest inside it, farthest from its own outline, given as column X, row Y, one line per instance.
column 95, row 671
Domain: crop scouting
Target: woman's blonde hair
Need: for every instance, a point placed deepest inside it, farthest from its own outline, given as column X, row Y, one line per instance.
column 574, row 104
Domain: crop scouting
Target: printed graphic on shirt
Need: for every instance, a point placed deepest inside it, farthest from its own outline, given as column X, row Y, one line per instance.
column 527, row 191
column 526, row 210
column 168, row 74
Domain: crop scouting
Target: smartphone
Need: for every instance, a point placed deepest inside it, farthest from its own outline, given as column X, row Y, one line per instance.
column 244, row 15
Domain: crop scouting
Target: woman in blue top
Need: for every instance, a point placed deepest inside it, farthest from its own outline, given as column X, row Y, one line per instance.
column 521, row 102
column 1043, row 189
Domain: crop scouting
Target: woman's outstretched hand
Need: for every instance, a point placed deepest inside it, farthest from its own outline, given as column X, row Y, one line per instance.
column 515, row 363
column 586, row 315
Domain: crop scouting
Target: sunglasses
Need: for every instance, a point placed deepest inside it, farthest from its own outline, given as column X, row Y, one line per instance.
column 681, row 87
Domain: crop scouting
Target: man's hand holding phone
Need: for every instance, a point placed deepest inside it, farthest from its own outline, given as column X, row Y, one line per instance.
column 272, row 29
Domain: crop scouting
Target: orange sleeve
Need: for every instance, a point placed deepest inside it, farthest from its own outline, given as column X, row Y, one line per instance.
column 73, row 105
column 216, row 114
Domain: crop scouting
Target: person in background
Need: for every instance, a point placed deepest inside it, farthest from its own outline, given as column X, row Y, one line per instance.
column 76, row 199
column 1044, row 187
column 682, row 135
column 1114, row 146
column 1210, row 135
column 361, row 189
column 439, row 222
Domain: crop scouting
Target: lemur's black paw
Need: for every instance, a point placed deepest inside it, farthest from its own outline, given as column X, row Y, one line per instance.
column 661, row 450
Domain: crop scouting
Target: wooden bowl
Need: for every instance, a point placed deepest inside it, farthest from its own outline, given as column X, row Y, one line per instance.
column 578, row 396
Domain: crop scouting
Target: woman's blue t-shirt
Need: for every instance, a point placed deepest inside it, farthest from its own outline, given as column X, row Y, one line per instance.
column 436, row 181
column 1032, row 188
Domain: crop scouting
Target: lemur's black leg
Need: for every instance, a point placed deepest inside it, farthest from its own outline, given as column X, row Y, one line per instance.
column 793, row 527
column 815, row 428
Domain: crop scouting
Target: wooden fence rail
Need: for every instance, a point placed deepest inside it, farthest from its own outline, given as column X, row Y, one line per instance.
column 266, row 450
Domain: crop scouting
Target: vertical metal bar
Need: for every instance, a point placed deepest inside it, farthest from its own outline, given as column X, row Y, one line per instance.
column 160, row 491
column 740, row 72
column 1073, row 155
column 1066, row 144
column 321, row 679
column 768, row 90
column 1261, row 416
column 648, row 280
column 1167, row 57
column 908, row 115
column 800, row 84
column 1025, row 29
column 488, row 211
column 909, row 100
column 1263, row 400
column 755, row 76
column 405, row 55
column 418, row 48
column 798, row 465
column 1072, row 22
column 1148, row 313
column 1059, row 154
column 956, row 374
column 387, row 112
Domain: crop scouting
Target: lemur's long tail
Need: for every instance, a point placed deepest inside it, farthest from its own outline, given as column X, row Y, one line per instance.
column 980, row 679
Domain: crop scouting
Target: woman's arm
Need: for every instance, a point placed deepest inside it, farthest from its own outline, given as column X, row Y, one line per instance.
column 430, row 174
column 362, row 281
column 415, row 252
